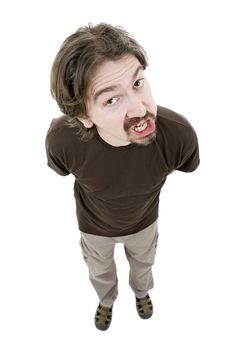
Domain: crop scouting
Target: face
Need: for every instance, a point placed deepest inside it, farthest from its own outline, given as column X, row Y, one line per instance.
column 120, row 104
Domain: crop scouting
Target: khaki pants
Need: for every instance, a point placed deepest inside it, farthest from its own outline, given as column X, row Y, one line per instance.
column 140, row 249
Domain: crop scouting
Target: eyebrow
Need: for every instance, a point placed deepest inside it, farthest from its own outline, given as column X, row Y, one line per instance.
column 114, row 87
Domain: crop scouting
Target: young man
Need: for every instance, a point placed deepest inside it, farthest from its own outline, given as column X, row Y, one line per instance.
column 120, row 146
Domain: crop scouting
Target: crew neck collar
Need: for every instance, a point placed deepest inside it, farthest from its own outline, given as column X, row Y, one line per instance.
column 115, row 148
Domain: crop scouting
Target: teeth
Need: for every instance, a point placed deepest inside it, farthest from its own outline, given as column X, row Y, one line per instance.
column 140, row 127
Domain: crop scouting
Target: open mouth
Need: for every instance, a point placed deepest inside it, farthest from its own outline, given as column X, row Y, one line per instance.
column 144, row 128
column 140, row 127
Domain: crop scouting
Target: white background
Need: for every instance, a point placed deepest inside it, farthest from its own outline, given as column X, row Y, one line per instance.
column 46, row 299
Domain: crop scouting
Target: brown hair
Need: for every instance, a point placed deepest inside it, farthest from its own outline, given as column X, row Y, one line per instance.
column 80, row 54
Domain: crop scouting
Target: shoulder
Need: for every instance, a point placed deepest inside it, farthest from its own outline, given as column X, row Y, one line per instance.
column 173, row 126
column 58, row 125
column 62, row 140
column 176, row 137
column 61, row 133
column 168, row 118
column 64, row 144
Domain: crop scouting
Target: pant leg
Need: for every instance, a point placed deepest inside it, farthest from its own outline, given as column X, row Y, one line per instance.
column 140, row 249
column 98, row 253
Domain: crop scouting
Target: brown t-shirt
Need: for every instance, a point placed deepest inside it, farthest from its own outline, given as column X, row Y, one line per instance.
column 117, row 188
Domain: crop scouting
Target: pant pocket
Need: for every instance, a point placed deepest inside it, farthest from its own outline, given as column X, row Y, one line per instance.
column 156, row 240
column 84, row 250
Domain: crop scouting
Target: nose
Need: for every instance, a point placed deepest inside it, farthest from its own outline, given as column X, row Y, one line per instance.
column 136, row 108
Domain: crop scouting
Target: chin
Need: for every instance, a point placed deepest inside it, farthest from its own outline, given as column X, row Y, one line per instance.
column 144, row 141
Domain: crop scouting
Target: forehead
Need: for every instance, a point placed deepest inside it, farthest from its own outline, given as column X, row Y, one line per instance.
column 111, row 73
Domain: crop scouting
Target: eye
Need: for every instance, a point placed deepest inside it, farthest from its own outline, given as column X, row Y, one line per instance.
column 139, row 83
column 111, row 101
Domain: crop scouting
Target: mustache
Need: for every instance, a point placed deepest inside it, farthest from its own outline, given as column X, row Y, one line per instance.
column 129, row 122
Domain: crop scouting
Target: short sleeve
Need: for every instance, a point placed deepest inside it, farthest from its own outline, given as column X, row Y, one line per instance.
column 189, row 159
column 55, row 156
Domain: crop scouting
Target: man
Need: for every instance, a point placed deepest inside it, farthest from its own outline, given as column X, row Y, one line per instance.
column 120, row 146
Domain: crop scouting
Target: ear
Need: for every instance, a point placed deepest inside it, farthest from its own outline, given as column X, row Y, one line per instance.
column 86, row 122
